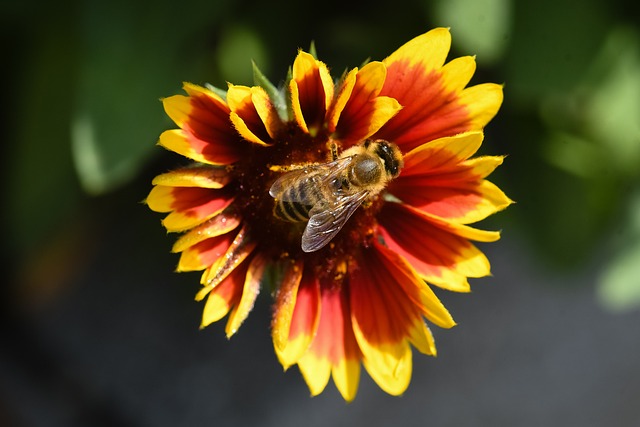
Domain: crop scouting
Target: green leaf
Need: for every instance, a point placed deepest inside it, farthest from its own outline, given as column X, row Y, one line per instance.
column 312, row 49
column 128, row 60
column 276, row 95
column 619, row 288
column 238, row 46
column 480, row 27
column 619, row 284
column 220, row 92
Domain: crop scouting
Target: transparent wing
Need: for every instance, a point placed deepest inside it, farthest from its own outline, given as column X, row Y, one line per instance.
column 319, row 175
column 328, row 218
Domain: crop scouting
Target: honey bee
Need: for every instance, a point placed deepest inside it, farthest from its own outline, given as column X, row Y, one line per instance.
column 327, row 194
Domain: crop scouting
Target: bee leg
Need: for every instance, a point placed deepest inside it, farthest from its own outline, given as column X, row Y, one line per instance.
column 333, row 148
column 287, row 168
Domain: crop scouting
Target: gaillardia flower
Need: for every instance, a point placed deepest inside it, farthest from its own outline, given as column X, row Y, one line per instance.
column 381, row 161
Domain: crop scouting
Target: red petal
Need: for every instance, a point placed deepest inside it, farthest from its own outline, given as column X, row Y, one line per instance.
column 365, row 112
column 247, row 120
column 312, row 91
column 380, row 304
column 429, row 110
column 207, row 133
column 205, row 253
column 438, row 255
column 224, row 296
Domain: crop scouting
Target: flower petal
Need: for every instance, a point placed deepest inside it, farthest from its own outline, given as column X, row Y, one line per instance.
column 316, row 371
column 244, row 116
column 250, row 292
column 422, row 339
column 427, row 51
column 311, row 89
column 421, row 296
column 220, row 224
column 206, row 133
column 334, row 349
column 194, row 176
column 219, row 151
column 440, row 256
column 441, row 154
column 225, row 296
column 366, row 112
column 389, row 365
column 241, row 247
column 434, row 104
column 267, row 111
column 386, row 305
column 457, row 73
column 205, row 253
column 345, row 89
column 285, row 305
column 482, row 103
column 463, row 203
column 438, row 179
column 189, row 206
column 201, row 106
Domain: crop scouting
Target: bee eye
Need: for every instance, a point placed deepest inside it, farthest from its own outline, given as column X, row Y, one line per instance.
column 366, row 170
column 391, row 163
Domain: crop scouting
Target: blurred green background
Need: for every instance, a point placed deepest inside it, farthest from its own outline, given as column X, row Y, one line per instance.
column 81, row 92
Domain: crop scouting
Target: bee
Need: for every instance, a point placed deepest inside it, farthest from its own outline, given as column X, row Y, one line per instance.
column 327, row 194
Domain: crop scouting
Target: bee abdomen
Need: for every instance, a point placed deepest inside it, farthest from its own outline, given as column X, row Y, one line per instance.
column 287, row 208
column 291, row 211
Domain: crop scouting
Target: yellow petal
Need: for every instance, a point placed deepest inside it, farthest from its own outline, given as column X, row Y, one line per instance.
column 195, row 176
column 457, row 73
column 473, row 263
column 306, row 64
column 215, row 309
column 249, row 294
column 464, row 230
column 346, row 375
column 422, row 339
column 161, row 199
column 285, row 304
column 344, row 93
column 482, row 103
column 266, row 110
column 238, row 96
column 222, row 298
column 448, row 279
column 441, row 153
column 309, row 77
column 389, row 364
column 241, row 247
column 483, row 166
column 296, row 107
column 178, row 108
column 220, row 152
column 316, row 372
column 244, row 130
column 430, row 50
column 216, row 226
column 181, row 108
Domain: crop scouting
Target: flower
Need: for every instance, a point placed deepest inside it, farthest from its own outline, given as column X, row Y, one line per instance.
column 362, row 299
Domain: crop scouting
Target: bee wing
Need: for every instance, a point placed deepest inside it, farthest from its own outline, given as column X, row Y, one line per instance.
column 311, row 175
column 328, row 218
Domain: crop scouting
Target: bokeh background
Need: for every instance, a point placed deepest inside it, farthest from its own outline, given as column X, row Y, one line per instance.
column 96, row 328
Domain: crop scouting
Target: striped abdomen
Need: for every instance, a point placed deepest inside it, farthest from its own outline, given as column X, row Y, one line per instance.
column 295, row 201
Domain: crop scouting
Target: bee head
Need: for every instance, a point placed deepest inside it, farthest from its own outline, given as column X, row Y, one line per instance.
column 390, row 155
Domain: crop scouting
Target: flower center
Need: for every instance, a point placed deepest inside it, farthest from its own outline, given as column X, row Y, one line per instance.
column 254, row 176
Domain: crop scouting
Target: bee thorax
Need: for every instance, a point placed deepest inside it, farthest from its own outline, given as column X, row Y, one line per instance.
column 365, row 170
